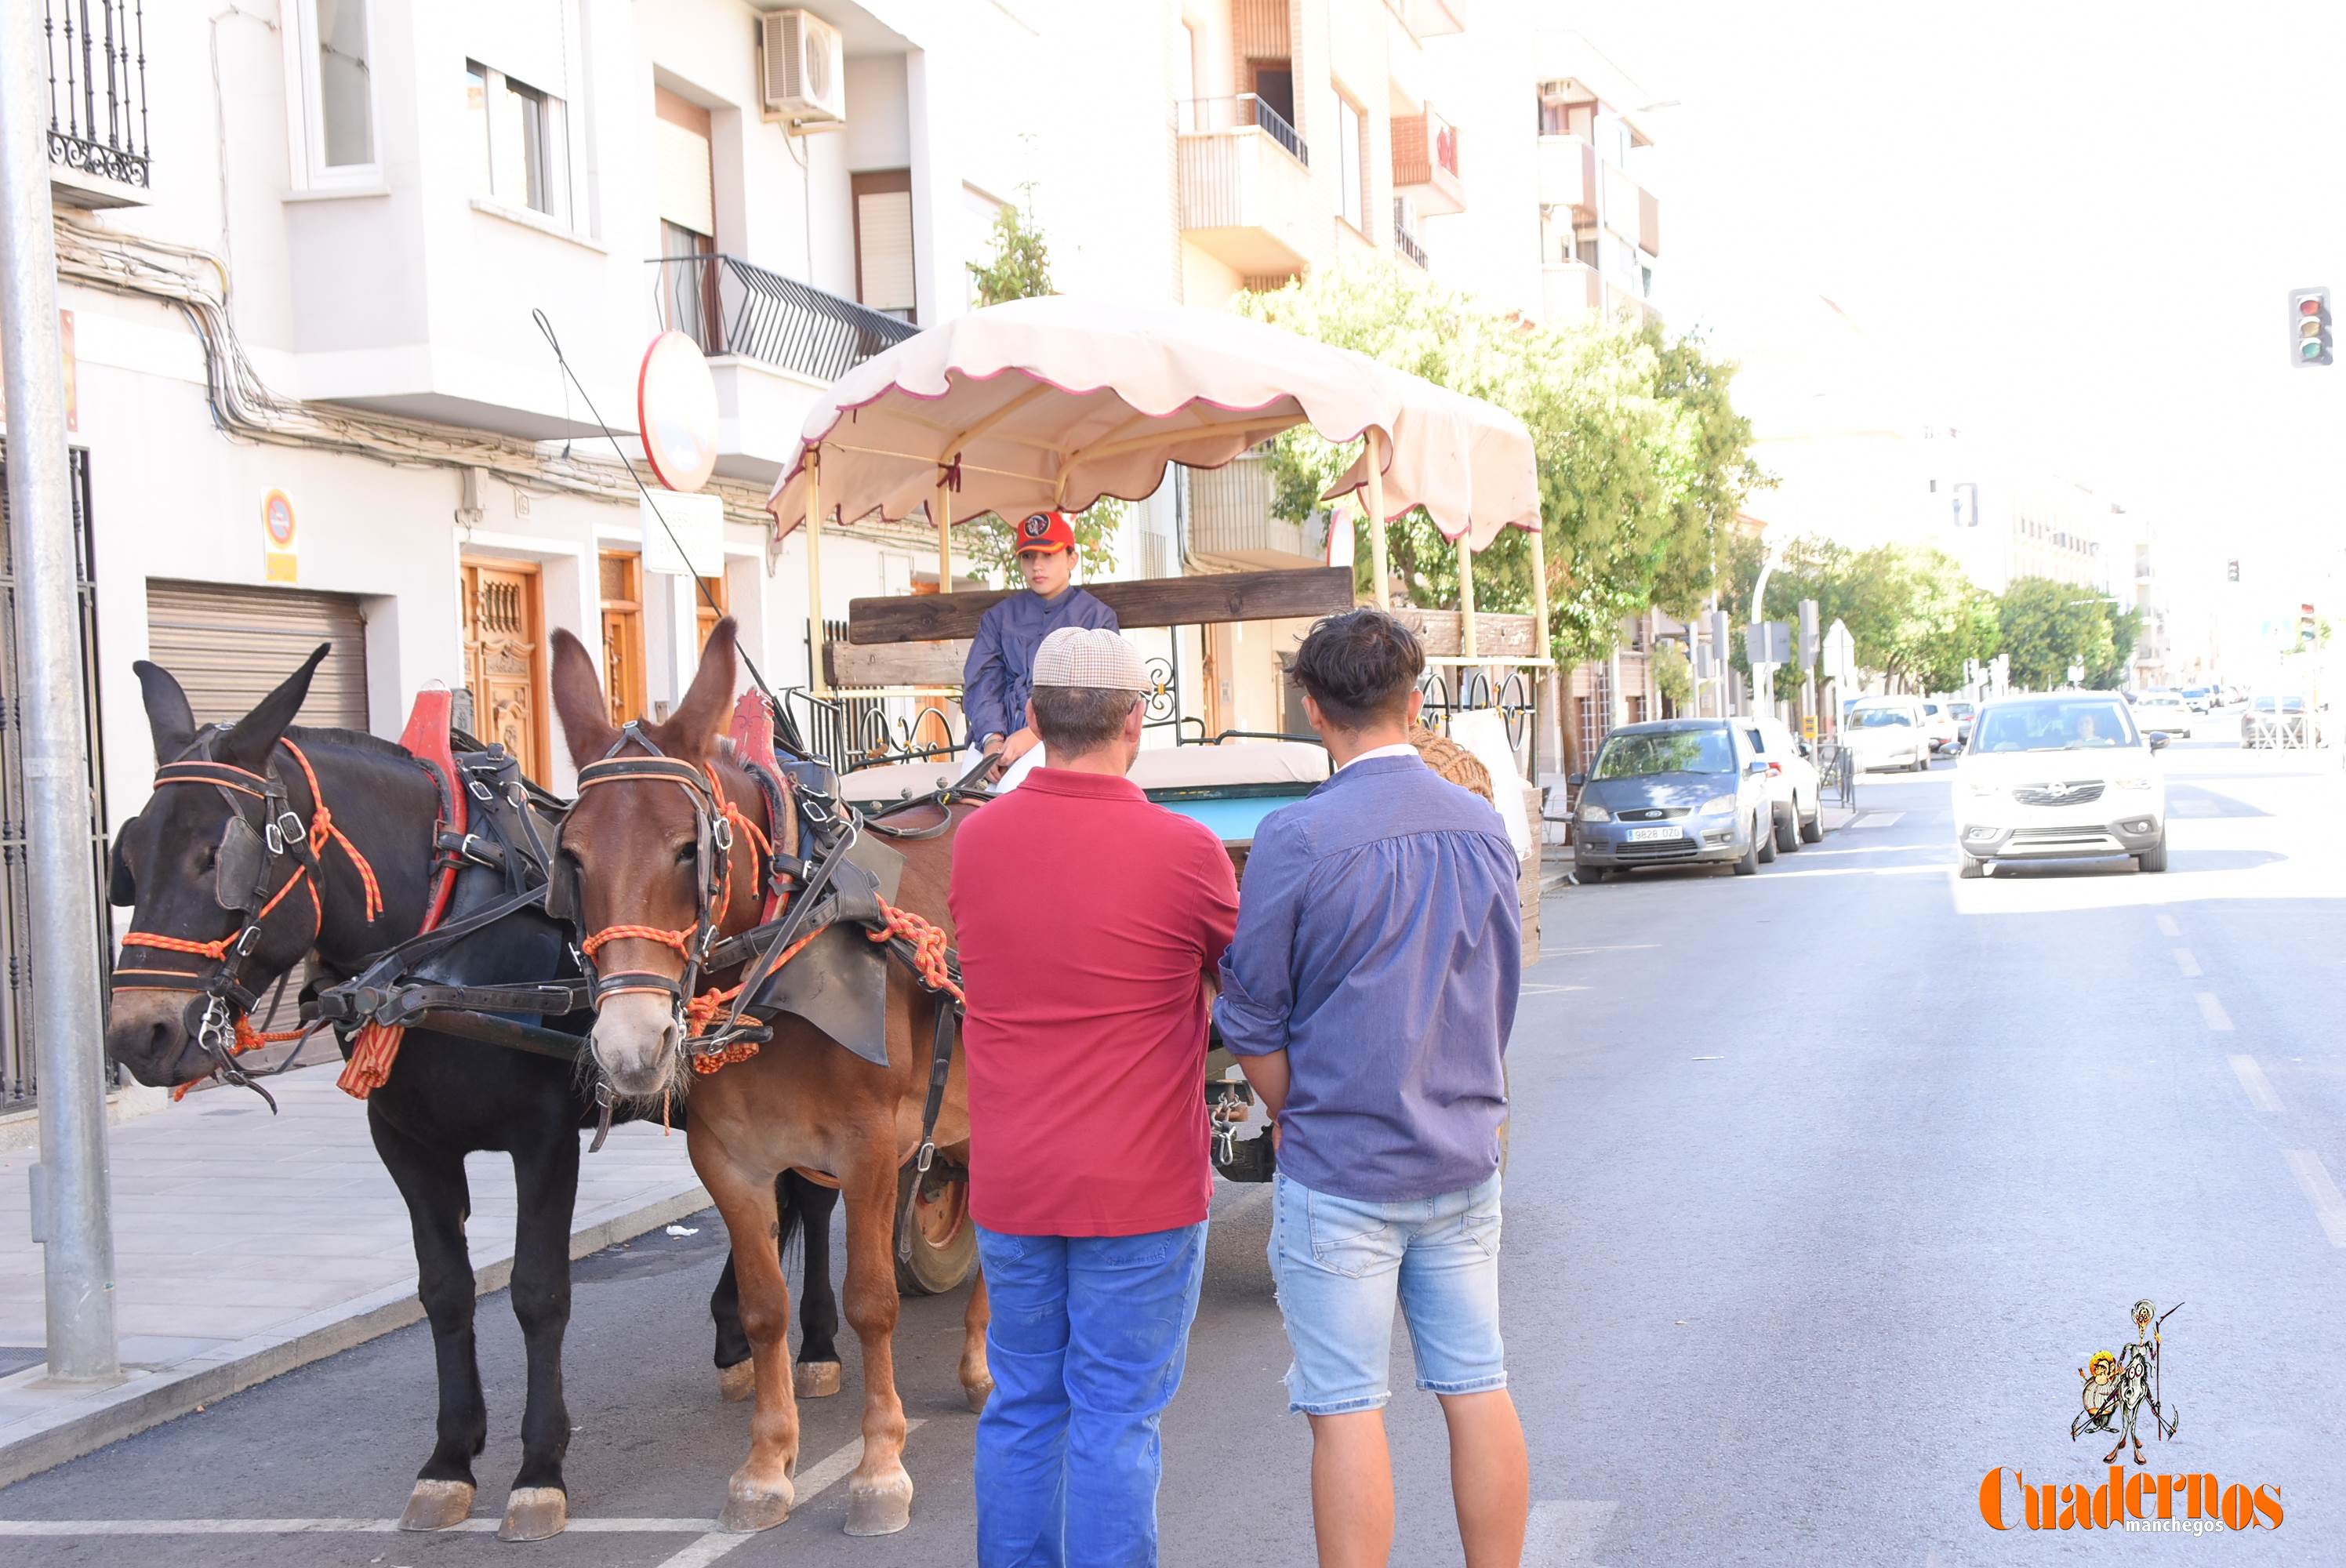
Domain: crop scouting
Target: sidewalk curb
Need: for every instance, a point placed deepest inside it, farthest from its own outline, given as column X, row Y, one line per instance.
column 148, row 1399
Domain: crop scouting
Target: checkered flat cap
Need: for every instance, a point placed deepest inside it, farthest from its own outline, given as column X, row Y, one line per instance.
column 1090, row 657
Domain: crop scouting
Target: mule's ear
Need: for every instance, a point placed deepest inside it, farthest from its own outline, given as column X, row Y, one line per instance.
column 121, row 887
column 249, row 739
column 169, row 717
column 708, row 704
column 579, row 700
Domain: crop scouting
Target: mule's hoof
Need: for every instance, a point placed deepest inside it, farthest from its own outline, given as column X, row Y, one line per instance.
column 815, row 1379
column 882, row 1511
column 738, row 1381
column 437, row 1504
column 977, row 1393
column 535, row 1513
column 747, row 1513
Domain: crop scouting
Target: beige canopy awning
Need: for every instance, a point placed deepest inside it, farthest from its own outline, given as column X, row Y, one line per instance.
column 1056, row 401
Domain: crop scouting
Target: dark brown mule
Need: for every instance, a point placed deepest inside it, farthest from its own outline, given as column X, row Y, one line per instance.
column 801, row 1102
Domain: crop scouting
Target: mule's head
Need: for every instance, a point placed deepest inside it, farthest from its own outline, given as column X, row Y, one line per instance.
column 191, row 867
column 639, row 853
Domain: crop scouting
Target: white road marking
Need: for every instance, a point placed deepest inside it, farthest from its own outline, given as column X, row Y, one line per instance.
column 2313, row 1180
column 1564, row 1535
column 2166, row 926
column 2187, row 963
column 1877, row 818
column 2213, row 1012
column 1546, row 990
column 2256, row 1086
column 711, row 1544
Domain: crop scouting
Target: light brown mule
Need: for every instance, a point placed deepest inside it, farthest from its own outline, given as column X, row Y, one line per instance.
column 801, row 1102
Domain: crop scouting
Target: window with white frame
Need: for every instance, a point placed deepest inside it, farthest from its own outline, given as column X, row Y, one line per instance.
column 330, row 101
column 519, row 137
column 1351, row 165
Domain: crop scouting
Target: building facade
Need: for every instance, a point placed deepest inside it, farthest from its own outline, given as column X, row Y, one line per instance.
column 350, row 287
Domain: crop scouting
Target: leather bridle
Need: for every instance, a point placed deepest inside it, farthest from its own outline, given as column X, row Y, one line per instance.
column 227, row 999
column 716, row 819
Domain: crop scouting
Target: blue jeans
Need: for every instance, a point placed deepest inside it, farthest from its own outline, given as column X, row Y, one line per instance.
column 1086, row 1345
column 1342, row 1264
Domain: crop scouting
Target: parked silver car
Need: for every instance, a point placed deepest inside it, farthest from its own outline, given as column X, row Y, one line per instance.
column 1676, row 791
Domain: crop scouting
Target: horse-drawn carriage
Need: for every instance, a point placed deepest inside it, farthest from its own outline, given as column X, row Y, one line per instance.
column 754, row 924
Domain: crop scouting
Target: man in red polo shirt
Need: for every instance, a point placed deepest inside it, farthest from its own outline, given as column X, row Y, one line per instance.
column 1088, row 920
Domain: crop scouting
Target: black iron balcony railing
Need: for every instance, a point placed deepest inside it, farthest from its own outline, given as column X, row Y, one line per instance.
column 97, row 86
column 1404, row 237
column 729, row 307
column 1196, row 116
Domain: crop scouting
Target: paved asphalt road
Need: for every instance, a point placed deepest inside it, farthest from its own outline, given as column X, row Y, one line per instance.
column 1824, row 1183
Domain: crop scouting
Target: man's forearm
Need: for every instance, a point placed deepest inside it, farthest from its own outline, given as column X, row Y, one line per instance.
column 1267, row 1076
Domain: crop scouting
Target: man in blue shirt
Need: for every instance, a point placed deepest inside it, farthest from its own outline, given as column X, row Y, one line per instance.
column 1368, row 996
column 999, row 676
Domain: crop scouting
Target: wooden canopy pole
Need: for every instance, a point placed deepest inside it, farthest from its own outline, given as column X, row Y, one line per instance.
column 815, row 681
column 1382, row 572
column 1540, row 643
column 1467, row 643
column 941, row 508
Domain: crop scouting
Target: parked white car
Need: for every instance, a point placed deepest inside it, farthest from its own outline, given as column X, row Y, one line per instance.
column 1792, row 781
column 2162, row 713
column 2070, row 775
column 1939, row 721
column 1886, row 733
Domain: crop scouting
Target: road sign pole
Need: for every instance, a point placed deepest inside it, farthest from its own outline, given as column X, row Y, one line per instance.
column 70, row 1193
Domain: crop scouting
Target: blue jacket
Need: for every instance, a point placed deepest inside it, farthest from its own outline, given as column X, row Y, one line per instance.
column 1000, row 674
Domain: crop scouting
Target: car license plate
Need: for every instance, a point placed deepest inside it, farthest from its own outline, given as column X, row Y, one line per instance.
column 1647, row 835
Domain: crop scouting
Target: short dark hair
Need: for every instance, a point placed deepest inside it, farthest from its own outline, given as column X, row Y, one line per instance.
column 1077, row 720
column 1359, row 667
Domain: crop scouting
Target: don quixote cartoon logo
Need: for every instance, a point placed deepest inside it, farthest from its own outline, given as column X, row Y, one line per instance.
column 1036, row 525
column 2118, row 1388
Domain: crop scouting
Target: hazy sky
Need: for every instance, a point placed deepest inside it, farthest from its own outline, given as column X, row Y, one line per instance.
column 2071, row 222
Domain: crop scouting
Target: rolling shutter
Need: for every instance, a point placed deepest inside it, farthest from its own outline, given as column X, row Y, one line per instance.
column 230, row 645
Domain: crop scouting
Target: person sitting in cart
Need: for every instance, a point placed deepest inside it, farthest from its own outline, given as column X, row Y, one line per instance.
column 1000, row 674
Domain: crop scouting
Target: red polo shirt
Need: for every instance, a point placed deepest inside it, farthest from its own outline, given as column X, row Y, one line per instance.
column 1087, row 920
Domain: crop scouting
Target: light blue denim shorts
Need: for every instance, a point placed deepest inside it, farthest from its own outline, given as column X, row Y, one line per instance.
column 1341, row 1265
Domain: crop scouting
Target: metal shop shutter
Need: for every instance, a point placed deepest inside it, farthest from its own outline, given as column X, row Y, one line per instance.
column 230, row 645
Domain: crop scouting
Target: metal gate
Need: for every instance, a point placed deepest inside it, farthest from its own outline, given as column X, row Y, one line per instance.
column 17, row 1046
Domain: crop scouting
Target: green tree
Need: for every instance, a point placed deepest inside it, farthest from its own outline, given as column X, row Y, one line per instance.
column 1020, row 269
column 2049, row 626
column 1910, row 611
column 1642, row 461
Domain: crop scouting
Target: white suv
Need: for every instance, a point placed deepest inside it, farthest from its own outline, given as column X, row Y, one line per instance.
column 2066, row 776
column 1882, row 733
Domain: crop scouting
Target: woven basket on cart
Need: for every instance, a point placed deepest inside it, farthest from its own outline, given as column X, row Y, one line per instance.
column 1453, row 762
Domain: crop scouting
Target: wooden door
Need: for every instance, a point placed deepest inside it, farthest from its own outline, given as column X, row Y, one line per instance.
column 622, row 635
column 504, row 654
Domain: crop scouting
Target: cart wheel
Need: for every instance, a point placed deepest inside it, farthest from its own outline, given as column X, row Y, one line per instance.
column 944, row 1239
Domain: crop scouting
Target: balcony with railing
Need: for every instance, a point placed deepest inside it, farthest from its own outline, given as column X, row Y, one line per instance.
column 772, row 341
column 730, row 306
column 1426, row 161
column 1405, row 232
column 97, row 63
column 1230, row 518
column 1247, row 196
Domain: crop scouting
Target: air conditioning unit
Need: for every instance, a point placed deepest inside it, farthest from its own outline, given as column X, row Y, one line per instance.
column 805, row 68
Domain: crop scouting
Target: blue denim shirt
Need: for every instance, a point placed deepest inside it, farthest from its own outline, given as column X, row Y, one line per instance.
column 1379, row 945
column 999, row 675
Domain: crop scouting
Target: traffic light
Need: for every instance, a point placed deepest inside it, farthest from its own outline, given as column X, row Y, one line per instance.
column 2231, row 571
column 2309, row 326
column 2306, row 634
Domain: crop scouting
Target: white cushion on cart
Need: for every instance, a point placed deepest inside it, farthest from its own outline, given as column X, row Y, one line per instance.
column 1231, row 762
